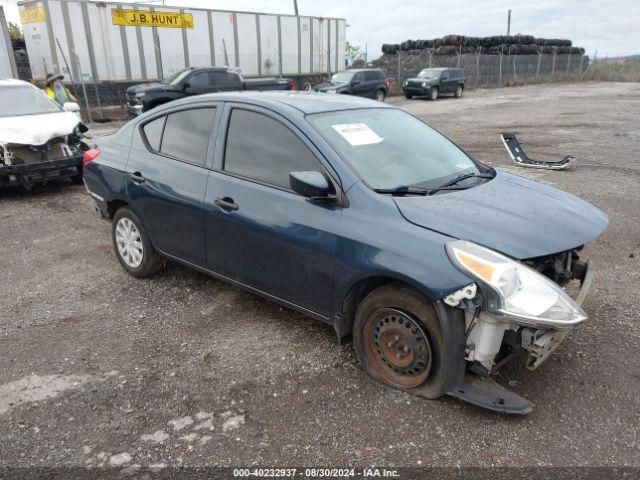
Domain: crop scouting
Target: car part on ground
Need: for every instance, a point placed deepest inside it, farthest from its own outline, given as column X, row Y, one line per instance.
column 475, row 282
column 516, row 152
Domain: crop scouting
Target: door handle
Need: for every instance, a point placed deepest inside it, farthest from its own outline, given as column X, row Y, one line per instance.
column 226, row 203
column 137, row 177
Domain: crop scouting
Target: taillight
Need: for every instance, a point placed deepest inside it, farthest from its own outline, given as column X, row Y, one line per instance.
column 291, row 85
column 89, row 155
column 386, row 82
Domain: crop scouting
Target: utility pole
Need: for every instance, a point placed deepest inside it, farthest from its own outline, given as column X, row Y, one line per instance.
column 509, row 22
column 295, row 7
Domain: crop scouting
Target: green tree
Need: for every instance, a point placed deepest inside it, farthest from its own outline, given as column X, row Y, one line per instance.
column 352, row 53
column 14, row 31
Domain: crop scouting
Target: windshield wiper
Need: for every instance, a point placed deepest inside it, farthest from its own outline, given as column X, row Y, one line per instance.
column 403, row 190
column 458, row 179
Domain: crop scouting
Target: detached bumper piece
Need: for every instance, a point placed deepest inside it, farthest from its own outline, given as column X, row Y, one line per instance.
column 516, row 152
column 487, row 393
column 28, row 174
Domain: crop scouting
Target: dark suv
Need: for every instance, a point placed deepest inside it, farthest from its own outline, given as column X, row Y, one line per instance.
column 365, row 83
column 432, row 82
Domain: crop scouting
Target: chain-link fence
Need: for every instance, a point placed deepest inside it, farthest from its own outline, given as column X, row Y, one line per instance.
column 507, row 69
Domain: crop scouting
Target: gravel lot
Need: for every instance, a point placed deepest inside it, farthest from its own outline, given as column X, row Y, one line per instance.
column 98, row 368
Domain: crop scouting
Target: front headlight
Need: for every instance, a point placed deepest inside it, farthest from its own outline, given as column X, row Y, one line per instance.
column 514, row 291
column 140, row 94
column 406, row 83
column 333, row 90
column 425, row 84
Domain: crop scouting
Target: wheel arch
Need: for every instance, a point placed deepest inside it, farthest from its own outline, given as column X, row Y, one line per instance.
column 451, row 320
column 358, row 290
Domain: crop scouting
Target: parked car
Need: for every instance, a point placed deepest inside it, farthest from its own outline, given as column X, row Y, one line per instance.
column 196, row 81
column 39, row 139
column 370, row 83
column 360, row 215
column 433, row 82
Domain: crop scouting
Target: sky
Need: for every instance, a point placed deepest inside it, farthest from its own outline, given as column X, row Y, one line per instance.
column 610, row 27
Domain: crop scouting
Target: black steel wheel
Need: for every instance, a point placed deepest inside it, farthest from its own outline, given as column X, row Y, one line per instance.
column 397, row 347
column 398, row 340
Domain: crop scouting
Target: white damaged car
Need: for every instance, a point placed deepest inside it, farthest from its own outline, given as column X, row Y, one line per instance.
column 39, row 139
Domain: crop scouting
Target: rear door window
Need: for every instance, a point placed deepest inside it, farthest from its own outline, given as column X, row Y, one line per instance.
column 153, row 132
column 224, row 79
column 371, row 75
column 199, row 80
column 186, row 134
column 263, row 149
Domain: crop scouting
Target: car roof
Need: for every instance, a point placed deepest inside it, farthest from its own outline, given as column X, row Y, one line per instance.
column 356, row 70
column 305, row 102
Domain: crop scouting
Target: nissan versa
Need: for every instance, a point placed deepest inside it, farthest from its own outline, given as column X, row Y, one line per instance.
column 441, row 268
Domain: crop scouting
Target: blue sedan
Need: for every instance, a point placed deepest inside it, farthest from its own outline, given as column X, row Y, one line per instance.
column 439, row 267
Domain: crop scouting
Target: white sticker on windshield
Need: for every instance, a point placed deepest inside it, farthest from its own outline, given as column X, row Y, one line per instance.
column 357, row 134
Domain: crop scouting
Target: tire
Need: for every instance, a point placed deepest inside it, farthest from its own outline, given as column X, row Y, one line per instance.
column 307, row 87
column 408, row 96
column 433, row 93
column 398, row 340
column 380, row 95
column 458, row 92
column 127, row 225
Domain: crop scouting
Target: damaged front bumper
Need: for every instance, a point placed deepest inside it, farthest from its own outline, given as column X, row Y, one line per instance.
column 491, row 342
column 28, row 174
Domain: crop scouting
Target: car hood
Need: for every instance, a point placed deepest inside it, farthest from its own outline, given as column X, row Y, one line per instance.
column 510, row 214
column 36, row 129
column 322, row 87
column 149, row 87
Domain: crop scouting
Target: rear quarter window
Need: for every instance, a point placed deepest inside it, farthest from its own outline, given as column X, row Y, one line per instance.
column 152, row 132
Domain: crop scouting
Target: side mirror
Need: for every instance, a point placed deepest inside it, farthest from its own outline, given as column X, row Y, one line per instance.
column 355, row 82
column 186, row 85
column 71, row 107
column 310, row 184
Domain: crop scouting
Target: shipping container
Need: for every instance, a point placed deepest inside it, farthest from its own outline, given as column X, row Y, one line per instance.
column 7, row 60
column 102, row 41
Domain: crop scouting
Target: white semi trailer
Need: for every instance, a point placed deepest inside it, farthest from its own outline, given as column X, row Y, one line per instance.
column 7, row 60
column 103, row 41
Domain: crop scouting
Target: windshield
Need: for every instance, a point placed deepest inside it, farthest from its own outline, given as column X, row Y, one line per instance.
column 389, row 148
column 342, row 77
column 177, row 77
column 429, row 73
column 25, row 100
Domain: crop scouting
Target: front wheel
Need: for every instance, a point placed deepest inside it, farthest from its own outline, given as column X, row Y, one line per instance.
column 408, row 96
column 380, row 95
column 433, row 94
column 458, row 92
column 398, row 340
column 132, row 246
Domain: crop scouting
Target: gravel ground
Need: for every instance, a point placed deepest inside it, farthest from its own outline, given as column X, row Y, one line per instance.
column 100, row 369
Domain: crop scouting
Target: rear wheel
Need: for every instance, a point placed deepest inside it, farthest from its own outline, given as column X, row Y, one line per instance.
column 433, row 94
column 306, row 86
column 398, row 340
column 132, row 246
column 380, row 95
column 458, row 92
